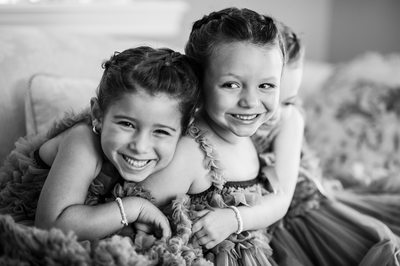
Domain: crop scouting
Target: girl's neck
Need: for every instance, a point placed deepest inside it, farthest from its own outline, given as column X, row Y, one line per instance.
column 222, row 135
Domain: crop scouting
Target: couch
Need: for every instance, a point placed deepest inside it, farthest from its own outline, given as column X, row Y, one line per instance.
column 31, row 51
column 352, row 108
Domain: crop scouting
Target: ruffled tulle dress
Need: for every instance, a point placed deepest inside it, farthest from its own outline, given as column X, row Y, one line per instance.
column 23, row 173
column 318, row 229
column 247, row 248
column 341, row 228
column 21, row 180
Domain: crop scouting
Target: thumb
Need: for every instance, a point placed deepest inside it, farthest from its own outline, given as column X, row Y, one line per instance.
column 166, row 229
column 143, row 227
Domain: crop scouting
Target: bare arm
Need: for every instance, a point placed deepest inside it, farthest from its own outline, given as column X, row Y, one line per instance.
column 287, row 148
column 272, row 207
column 61, row 202
column 180, row 175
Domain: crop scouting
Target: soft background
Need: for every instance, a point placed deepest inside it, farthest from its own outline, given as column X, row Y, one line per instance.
column 51, row 52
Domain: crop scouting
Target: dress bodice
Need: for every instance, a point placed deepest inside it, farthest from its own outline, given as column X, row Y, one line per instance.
column 222, row 192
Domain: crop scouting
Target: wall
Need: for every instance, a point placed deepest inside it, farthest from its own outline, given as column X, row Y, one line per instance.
column 359, row 26
column 311, row 18
column 333, row 31
column 70, row 40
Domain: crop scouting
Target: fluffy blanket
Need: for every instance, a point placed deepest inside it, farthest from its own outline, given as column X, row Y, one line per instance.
column 27, row 245
column 353, row 120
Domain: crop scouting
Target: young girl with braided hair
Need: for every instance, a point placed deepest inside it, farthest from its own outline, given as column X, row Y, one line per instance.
column 235, row 194
column 145, row 100
column 217, row 163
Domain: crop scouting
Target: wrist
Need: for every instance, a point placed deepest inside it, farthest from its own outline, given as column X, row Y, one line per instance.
column 124, row 220
column 133, row 207
column 238, row 218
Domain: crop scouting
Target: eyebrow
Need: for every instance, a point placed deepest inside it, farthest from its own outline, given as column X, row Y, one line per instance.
column 271, row 78
column 134, row 120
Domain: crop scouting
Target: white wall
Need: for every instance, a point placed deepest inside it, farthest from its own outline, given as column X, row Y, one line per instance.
column 311, row 18
column 333, row 30
column 359, row 26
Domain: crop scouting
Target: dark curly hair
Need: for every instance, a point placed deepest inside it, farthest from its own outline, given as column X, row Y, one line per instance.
column 231, row 25
column 157, row 71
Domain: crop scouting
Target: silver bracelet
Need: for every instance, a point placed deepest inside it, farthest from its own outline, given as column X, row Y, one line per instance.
column 124, row 221
column 238, row 218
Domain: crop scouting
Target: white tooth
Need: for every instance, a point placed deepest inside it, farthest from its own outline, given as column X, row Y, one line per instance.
column 135, row 163
column 246, row 117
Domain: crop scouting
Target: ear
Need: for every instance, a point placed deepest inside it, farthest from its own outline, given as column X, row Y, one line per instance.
column 96, row 112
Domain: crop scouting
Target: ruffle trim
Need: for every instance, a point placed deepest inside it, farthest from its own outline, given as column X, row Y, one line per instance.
column 22, row 177
column 247, row 248
column 210, row 162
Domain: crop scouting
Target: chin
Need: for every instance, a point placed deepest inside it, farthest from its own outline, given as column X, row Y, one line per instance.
column 248, row 132
column 136, row 178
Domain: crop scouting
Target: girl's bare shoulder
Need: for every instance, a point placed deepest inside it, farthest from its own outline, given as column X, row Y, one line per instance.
column 188, row 156
column 78, row 140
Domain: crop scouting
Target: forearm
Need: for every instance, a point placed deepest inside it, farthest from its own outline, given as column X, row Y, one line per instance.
column 271, row 209
column 94, row 222
column 287, row 149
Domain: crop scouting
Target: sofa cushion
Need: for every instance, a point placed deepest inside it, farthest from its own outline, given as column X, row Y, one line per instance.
column 49, row 97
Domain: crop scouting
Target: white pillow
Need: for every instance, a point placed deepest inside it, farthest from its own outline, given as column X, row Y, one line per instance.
column 49, row 97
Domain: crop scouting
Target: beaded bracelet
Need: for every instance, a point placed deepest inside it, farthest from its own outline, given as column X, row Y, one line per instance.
column 238, row 218
column 124, row 221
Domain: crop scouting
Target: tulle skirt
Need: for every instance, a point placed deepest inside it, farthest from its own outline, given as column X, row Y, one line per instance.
column 334, row 234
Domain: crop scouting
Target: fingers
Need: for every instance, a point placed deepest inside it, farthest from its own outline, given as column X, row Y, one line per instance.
column 151, row 216
column 199, row 214
column 206, row 241
column 206, row 238
column 142, row 227
column 199, row 224
column 166, row 231
column 165, row 228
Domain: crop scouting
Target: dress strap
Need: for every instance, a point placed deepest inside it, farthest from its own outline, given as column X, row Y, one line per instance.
column 210, row 161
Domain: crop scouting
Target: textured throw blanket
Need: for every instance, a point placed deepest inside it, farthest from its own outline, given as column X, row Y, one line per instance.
column 353, row 120
column 27, row 245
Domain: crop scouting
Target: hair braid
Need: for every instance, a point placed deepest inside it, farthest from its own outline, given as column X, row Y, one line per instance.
column 229, row 25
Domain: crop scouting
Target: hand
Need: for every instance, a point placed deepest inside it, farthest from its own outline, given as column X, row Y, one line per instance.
column 149, row 214
column 214, row 226
column 142, row 228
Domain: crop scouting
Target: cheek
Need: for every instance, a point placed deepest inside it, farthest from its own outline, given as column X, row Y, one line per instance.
column 271, row 100
column 109, row 148
column 217, row 103
column 113, row 138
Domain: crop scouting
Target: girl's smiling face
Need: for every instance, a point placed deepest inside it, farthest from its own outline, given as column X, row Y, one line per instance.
column 139, row 133
column 241, row 86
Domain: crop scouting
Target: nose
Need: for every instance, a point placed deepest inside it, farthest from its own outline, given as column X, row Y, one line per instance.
column 140, row 143
column 249, row 98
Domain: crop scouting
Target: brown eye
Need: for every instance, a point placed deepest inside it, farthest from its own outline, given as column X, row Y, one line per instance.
column 162, row 132
column 267, row 86
column 231, row 85
column 126, row 124
column 288, row 103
